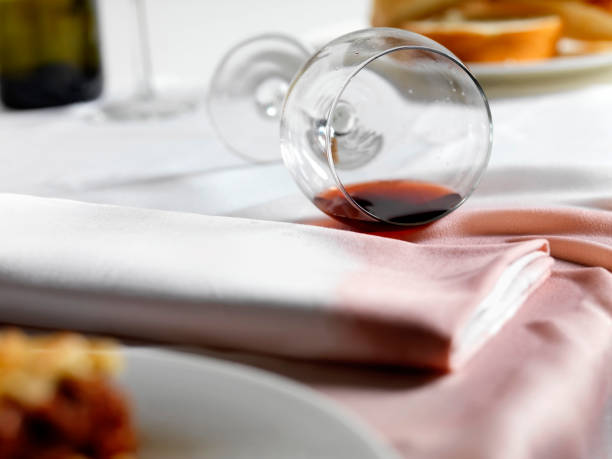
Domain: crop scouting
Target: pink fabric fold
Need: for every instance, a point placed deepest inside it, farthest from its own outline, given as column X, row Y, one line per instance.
column 416, row 310
column 539, row 388
column 578, row 235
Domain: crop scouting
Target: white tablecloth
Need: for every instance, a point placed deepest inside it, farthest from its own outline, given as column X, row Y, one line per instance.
column 549, row 148
column 553, row 139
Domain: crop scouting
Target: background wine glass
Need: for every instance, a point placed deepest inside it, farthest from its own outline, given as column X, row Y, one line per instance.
column 146, row 103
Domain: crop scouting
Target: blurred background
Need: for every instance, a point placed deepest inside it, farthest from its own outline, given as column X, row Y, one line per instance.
column 189, row 37
column 75, row 151
column 185, row 40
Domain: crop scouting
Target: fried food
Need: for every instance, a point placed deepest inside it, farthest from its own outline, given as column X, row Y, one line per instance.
column 57, row 400
column 580, row 20
column 504, row 30
column 605, row 4
column 493, row 41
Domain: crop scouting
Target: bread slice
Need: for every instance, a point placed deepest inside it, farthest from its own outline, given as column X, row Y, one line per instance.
column 391, row 13
column 524, row 39
column 581, row 20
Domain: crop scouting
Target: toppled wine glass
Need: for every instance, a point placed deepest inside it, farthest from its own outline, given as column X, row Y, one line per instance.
column 379, row 126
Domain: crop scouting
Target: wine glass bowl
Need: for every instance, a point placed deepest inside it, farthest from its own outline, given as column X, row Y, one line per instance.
column 385, row 126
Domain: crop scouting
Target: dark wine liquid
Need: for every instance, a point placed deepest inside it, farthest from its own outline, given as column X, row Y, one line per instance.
column 398, row 201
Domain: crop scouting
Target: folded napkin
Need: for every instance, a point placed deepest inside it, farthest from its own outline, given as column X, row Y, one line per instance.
column 539, row 388
column 277, row 288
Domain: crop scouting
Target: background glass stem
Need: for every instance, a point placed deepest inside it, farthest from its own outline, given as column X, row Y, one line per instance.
column 145, row 87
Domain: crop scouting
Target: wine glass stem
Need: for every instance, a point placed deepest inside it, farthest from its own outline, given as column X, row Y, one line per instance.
column 145, row 86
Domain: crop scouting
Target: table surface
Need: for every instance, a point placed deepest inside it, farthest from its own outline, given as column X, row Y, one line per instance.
column 552, row 139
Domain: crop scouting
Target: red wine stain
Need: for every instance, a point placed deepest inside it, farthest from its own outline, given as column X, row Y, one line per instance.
column 397, row 201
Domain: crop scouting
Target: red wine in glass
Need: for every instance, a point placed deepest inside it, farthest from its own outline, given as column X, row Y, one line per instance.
column 397, row 201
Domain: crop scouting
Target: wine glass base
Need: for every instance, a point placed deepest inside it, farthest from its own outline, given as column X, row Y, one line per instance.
column 145, row 108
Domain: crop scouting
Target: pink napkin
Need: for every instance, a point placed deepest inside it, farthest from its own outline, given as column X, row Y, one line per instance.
column 277, row 288
column 539, row 388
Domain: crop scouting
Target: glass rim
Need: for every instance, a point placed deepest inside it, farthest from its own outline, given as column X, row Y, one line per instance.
column 215, row 78
column 354, row 73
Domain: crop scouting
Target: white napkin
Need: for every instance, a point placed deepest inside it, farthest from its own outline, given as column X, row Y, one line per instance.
column 275, row 287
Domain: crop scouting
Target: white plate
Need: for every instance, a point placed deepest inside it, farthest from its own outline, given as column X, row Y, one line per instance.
column 190, row 407
column 556, row 66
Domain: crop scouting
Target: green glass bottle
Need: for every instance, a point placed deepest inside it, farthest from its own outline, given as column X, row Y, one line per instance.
column 49, row 53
